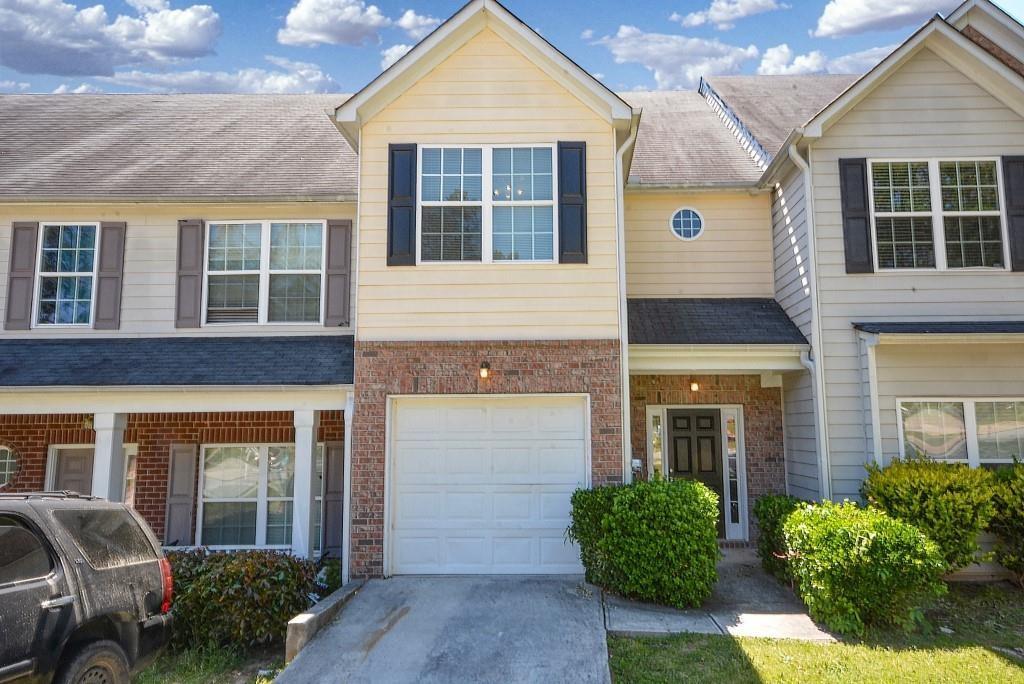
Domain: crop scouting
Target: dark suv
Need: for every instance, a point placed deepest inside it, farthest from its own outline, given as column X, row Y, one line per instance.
column 84, row 590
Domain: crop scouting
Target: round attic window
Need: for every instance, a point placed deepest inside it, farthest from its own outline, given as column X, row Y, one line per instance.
column 686, row 224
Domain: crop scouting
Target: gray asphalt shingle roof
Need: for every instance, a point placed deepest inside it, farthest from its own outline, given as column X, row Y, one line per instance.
column 177, row 361
column 772, row 106
column 942, row 327
column 710, row 321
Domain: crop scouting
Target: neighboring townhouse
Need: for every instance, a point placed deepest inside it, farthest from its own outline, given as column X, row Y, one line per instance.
column 402, row 326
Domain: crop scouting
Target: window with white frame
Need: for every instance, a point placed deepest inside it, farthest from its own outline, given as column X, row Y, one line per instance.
column 937, row 214
column 979, row 432
column 264, row 271
column 248, row 495
column 8, row 466
column 66, row 286
column 514, row 221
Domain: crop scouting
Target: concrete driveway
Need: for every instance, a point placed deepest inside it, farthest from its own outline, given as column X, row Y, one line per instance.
column 461, row 629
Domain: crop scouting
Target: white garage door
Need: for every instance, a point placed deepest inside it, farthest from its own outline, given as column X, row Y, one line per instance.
column 482, row 485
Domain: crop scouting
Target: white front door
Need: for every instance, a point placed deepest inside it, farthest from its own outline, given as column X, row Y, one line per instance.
column 482, row 485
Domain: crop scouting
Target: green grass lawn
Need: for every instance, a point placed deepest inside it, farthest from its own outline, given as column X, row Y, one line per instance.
column 969, row 625
column 212, row 667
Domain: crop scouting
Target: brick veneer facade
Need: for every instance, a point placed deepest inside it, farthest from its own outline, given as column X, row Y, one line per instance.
column 520, row 367
column 762, row 421
column 31, row 435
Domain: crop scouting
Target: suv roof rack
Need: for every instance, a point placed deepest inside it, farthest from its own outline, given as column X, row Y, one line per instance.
column 63, row 494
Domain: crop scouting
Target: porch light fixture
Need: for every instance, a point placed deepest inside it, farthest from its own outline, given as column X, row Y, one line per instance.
column 485, row 370
column 695, row 387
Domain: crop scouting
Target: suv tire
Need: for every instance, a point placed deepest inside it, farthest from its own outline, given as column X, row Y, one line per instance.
column 99, row 662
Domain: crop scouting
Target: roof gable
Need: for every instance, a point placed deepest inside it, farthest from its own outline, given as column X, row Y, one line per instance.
column 469, row 21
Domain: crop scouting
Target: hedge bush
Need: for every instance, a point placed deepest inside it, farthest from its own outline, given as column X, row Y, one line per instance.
column 855, row 566
column 239, row 598
column 771, row 512
column 658, row 540
column 949, row 502
column 1008, row 521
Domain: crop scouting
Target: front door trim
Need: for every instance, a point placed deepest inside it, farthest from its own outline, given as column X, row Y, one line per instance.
column 733, row 531
column 53, row 454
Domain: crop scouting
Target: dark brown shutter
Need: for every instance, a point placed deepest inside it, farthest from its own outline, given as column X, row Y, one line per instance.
column 338, row 273
column 22, row 274
column 572, row 202
column 1013, row 179
column 402, row 205
column 181, row 487
column 853, row 189
column 189, row 291
column 334, row 497
column 109, row 275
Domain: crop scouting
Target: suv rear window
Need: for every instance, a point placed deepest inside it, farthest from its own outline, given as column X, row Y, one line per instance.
column 107, row 537
column 22, row 555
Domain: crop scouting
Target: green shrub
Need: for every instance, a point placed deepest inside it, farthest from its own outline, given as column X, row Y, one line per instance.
column 589, row 507
column 660, row 542
column 1008, row 521
column 771, row 512
column 949, row 502
column 237, row 599
column 855, row 566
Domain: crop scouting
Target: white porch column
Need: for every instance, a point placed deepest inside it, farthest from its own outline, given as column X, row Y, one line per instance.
column 306, row 423
column 108, row 459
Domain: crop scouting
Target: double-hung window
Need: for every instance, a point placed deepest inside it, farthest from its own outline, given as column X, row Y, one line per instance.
column 979, row 432
column 937, row 214
column 264, row 272
column 487, row 204
column 66, row 286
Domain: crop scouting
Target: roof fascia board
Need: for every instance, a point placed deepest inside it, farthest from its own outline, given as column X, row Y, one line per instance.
column 958, row 17
column 949, row 44
column 782, row 161
column 22, row 200
column 948, row 338
column 671, row 188
column 720, row 358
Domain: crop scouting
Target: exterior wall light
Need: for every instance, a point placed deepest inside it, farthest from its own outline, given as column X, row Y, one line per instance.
column 485, row 370
column 695, row 387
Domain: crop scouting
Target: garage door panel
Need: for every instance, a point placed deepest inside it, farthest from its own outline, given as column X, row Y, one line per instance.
column 496, row 553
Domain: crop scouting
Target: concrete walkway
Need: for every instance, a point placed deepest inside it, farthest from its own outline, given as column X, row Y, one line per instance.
column 746, row 601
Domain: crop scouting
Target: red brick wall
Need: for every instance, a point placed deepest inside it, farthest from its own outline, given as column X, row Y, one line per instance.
column 521, row 367
column 762, row 420
column 30, row 436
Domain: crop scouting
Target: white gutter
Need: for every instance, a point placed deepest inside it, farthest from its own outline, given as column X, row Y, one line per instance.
column 346, row 516
column 620, row 227
column 814, row 364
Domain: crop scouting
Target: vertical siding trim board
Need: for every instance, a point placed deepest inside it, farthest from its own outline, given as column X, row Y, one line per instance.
column 109, row 275
column 188, row 306
column 1013, row 180
column 402, row 204
column 572, row 202
column 853, row 190
column 21, row 275
column 338, row 274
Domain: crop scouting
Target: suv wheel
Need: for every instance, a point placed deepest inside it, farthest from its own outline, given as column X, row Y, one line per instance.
column 101, row 662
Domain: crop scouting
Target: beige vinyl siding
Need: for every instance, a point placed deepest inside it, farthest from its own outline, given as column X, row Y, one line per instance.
column 926, row 109
column 953, row 371
column 801, row 444
column 150, row 260
column 731, row 258
column 487, row 93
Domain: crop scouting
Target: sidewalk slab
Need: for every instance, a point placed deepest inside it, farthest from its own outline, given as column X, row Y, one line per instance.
column 633, row 618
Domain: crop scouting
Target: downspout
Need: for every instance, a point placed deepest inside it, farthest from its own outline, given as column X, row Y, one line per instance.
column 620, row 227
column 813, row 364
column 346, row 516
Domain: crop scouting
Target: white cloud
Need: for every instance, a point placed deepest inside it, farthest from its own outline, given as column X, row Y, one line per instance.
column 723, row 14
column 55, row 37
column 332, row 22
column 418, row 26
column 587, row 34
column 82, row 89
column 288, row 77
column 392, row 55
column 781, row 60
column 676, row 61
column 848, row 17
column 13, row 86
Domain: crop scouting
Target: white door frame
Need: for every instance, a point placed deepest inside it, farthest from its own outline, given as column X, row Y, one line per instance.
column 737, row 532
column 392, row 399
column 53, row 452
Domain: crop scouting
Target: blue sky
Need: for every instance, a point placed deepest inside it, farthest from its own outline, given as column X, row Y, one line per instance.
column 340, row 45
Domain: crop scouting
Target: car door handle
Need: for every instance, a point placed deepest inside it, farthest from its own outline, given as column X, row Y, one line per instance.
column 58, row 602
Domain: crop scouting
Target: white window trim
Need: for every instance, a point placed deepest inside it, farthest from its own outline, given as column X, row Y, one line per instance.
column 672, row 229
column 12, row 457
column 937, row 214
column 487, row 203
column 970, row 426
column 40, row 274
column 261, row 499
column 264, row 271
